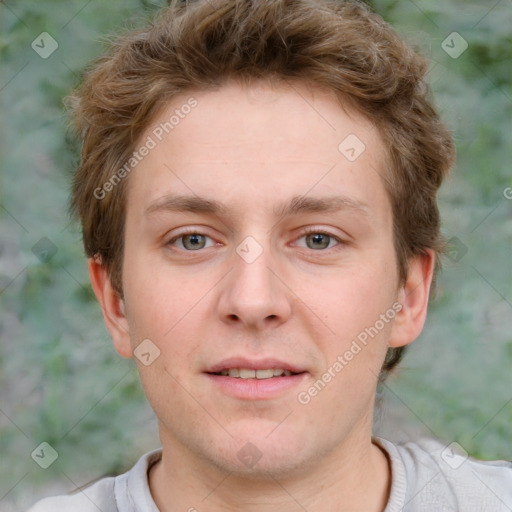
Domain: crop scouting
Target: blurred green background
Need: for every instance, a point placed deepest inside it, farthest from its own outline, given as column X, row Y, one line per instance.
column 61, row 381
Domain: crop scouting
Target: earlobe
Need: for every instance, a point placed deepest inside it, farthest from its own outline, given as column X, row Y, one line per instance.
column 413, row 297
column 112, row 307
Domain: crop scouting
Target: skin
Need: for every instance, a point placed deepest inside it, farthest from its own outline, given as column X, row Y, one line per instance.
column 252, row 148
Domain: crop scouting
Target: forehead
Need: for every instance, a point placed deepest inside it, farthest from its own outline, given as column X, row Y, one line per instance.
column 258, row 145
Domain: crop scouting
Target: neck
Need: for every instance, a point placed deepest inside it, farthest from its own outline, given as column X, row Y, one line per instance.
column 353, row 476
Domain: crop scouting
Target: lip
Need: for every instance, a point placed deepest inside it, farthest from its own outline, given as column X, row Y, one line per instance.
column 255, row 389
column 253, row 364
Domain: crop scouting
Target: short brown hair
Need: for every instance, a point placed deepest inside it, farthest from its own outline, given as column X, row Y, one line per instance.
column 198, row 45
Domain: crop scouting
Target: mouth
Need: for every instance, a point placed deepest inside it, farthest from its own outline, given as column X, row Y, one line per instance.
column 244, row 379
column 248, row 373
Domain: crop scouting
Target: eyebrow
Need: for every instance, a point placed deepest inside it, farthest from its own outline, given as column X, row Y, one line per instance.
column 297, row 204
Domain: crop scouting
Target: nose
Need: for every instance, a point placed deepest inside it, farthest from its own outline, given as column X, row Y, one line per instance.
column 254, row 295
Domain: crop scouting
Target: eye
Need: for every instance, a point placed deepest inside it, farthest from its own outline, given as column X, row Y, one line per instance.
column 315, row 239
column 191, row 241
column 318, row 239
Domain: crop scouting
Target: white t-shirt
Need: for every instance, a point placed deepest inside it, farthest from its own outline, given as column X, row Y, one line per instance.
column 426, row 476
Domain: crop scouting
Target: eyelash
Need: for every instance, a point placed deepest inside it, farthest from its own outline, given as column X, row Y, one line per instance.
column 307, row 231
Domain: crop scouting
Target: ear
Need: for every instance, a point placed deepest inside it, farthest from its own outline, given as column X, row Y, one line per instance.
column 112, row 307
column 413, row 296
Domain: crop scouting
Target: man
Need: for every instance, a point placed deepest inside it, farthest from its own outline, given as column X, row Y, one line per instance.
column 257, row 193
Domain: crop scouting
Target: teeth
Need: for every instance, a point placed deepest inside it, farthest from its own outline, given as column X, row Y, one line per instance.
column 264, row 374
column 246, row 373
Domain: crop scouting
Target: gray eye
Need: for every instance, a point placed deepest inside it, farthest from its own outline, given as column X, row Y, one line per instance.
column 194, row 241
column 318, row 240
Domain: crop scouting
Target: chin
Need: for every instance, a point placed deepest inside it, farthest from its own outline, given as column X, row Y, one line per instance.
column 260, row 453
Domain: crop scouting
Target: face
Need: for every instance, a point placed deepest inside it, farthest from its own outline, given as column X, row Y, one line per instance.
column 259, row 263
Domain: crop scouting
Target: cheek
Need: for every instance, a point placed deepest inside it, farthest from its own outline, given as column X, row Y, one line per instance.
column 351, row 305
column 157, row 300
column 352, row 297
column 166, row 308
